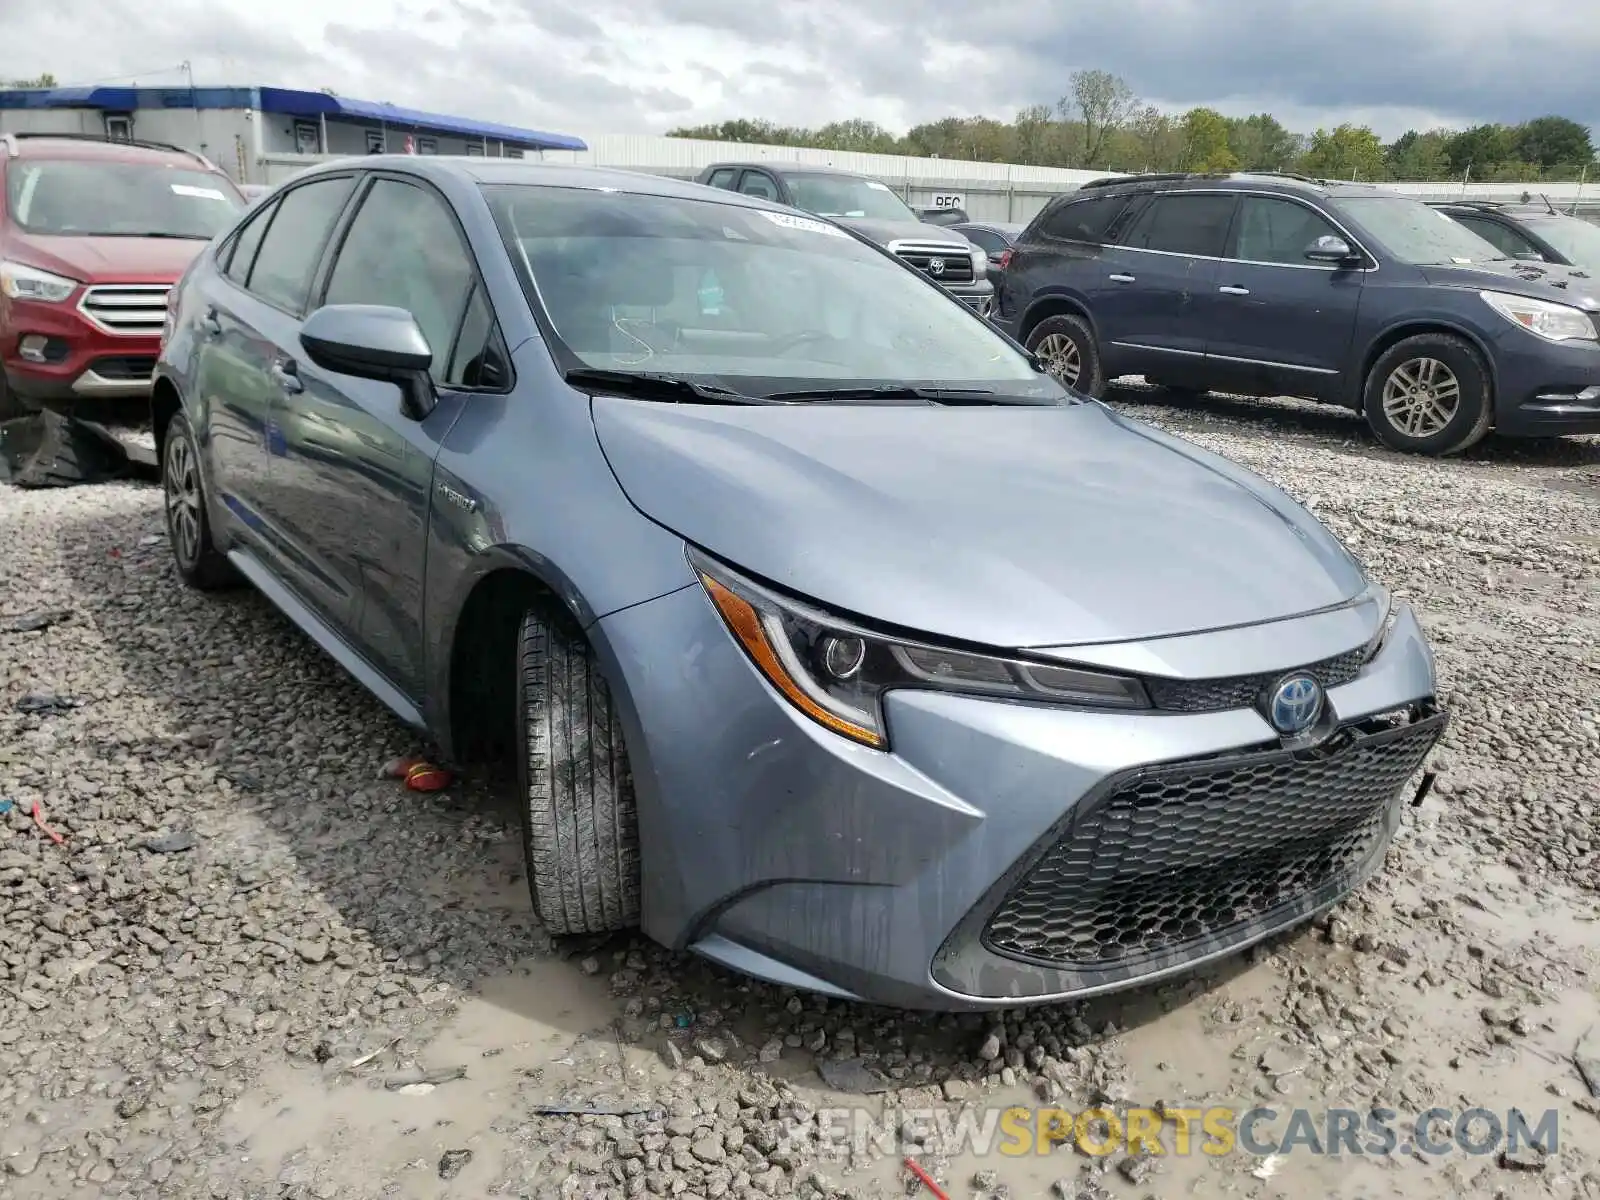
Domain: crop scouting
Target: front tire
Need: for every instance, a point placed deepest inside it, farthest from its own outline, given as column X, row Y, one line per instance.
column 1429, row 394
column 580, row 822
column 1067, row 347
column 200, row 564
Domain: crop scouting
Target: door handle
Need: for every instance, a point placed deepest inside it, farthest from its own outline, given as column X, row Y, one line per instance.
column 1121, row 278
column 209, row 325
column 287, row 376
column 1234, row 291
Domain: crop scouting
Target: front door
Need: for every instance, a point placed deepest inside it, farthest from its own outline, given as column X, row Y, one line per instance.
column 1276, row 323
column 357, row 472
column 1163, row 268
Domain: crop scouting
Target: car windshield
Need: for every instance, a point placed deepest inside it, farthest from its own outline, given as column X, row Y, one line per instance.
column 745, row 298
column 76, row 197
column 846, row 196
column 1416, row 234
column 1577, row 239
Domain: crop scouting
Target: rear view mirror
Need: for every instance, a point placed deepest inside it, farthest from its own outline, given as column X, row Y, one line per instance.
column 374, row 341
column 1330, row 249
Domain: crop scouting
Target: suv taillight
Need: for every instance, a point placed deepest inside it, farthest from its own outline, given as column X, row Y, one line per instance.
column 1003, row 259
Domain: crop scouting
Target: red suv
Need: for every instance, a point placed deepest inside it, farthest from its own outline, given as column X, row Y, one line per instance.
column 93, row 234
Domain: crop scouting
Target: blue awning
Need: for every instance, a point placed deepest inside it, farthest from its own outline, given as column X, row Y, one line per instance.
column 320, row 104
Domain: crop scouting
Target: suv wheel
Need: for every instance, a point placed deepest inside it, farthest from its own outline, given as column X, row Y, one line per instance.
column 580, row 825
column 200, row 564
column 1429, row 394
column 1067, row 348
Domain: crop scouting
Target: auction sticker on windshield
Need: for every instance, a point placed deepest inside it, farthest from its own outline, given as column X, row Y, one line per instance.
column 184, row 189
column 802, row 223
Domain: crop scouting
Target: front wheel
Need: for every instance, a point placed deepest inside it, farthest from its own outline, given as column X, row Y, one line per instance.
column 200, row 564
column 580, row 822
column 1067, row 348
column 1429, row 394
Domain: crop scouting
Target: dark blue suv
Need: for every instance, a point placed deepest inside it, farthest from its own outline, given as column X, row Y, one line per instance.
column 1281, row 285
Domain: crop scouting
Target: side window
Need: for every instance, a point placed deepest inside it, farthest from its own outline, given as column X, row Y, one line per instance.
column 1501, row 237
column 1083, row 220
column 722, row 178
column 1185, row 223
column 758, row 183
column 403, row 249
column 479, row 357
column 241, row 252
column 987, row 241
column 1277, row 231
column 289, row 253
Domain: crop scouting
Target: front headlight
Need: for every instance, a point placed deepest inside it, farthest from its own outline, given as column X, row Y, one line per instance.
column 1552, row 321
column 29, row 283
column 836, row 672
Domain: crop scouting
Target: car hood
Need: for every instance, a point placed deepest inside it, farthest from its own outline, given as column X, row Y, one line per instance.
column 108, row 259
column 883, row 232
column 1571, row 285
column 1004, row 526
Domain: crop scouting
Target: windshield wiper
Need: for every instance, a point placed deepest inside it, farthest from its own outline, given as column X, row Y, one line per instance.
column 896, row 391
column 652, row 385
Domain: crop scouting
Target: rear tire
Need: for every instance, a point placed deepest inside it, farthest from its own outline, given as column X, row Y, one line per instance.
column 1429, row 394
column 200, row 564
column 580, row 823
column 1067, row 347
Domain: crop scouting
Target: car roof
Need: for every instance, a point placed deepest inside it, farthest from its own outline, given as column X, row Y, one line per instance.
column 1282, row 182
column 1010, row 228
column 91, row 148
column 785, row 167
column 475, row 170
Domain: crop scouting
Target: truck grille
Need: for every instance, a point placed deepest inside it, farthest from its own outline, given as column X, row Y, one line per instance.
column 943, row 262
column 1183, row 859
column 1242, row 691
column 133, row 309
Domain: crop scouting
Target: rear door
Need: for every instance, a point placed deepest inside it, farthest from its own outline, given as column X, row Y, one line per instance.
column 269, row 311
column 1276, row 323
column 1166, row 263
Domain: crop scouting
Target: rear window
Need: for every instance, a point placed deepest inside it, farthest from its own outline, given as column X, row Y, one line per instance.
column 1085, row 220
column 82, row 198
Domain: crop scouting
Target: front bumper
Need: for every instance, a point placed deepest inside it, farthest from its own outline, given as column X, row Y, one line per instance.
column 786, row 852
column 978, row 296
column 54, row 353
column 1545, row 389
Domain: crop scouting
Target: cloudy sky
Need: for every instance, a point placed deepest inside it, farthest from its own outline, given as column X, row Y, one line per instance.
column 621, row 66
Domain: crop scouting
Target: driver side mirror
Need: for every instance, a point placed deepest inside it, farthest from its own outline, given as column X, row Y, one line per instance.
column 374, row 341
column 1331, row 249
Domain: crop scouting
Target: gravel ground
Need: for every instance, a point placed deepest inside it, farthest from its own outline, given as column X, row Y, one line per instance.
column 252, row 967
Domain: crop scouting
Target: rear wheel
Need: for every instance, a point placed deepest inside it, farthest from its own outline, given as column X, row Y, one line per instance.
column 1429, row 394
column 200, row 564
column 580, row 824
column 1067, row 348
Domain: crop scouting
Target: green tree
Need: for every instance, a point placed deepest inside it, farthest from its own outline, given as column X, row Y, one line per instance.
column 1419, row 156
column 1205, row 141
column 1553, row 142
column 865, row 136
column 1260, row 143
column 1479, row 149
column 46, row 80
column 1344, row 152
column 1104, row 103
column 1153, row 141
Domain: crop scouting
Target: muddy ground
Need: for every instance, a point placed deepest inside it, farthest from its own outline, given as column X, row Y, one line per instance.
column 254, row 968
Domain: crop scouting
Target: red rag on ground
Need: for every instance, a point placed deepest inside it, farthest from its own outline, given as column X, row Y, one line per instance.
column 38, row 819
column 927, row 1180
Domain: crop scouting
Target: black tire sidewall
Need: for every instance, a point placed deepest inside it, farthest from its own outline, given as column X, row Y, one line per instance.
column 178, row 427
column 1472, row 374
column 1089, row 381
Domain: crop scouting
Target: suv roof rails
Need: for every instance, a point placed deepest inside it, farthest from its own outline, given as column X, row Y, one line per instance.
column 1295, row 175
column 10, row 140
column 1112, row 180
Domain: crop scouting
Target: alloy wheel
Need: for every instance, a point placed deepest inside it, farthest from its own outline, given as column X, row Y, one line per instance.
column 181, row 480
column 1421, row 397
column 1061, row 357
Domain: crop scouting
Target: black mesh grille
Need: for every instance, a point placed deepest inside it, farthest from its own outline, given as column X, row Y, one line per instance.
column 1242, row 691
column 1174, row 857
column 125, row 366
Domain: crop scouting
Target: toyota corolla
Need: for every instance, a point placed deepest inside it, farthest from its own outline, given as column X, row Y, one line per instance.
column 833, row 640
